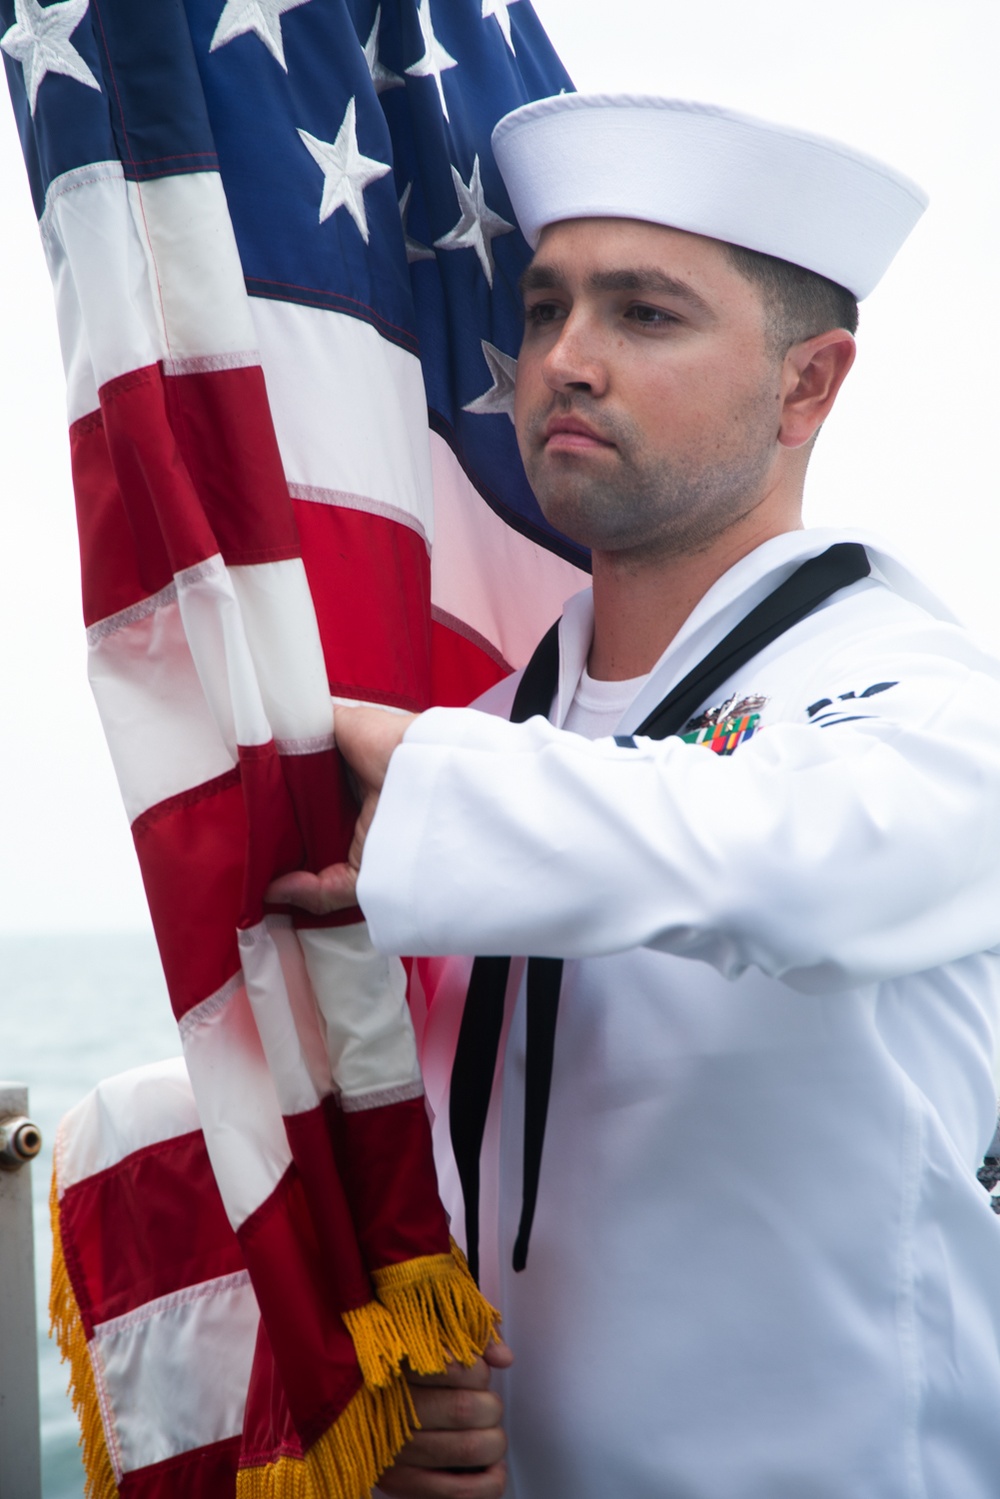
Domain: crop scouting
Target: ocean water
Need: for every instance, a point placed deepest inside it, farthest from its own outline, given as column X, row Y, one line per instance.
column 73, row 1009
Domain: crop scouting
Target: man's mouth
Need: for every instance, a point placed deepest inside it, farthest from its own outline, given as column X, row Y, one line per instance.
column 571, row 435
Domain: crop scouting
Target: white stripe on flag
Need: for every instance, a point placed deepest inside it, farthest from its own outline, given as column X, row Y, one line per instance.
column 237, row 1104
column 161, row 734
column 215, row 632
column 362, row 997
column 280, row 624
column 110, row 243
column 194, row 264
column 124, row 1114
column 321, row 369
column 208, row 1331
column 282, row 1000
column 94, row 252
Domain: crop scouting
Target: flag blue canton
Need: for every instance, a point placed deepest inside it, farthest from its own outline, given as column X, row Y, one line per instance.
column 268, row 93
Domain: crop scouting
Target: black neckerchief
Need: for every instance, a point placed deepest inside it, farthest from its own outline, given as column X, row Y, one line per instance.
column 482, row 1020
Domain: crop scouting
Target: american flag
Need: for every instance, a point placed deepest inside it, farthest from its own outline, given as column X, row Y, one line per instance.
column 286, row 276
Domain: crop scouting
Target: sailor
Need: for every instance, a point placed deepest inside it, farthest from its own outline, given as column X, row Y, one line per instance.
column 713, row 1145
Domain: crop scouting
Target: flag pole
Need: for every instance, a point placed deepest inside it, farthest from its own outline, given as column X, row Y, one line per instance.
column 20, row 1449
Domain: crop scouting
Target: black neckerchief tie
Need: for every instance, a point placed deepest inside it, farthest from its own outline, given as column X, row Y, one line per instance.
column 482, row 1020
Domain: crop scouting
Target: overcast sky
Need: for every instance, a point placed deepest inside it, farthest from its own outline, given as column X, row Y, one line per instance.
column 909, row 450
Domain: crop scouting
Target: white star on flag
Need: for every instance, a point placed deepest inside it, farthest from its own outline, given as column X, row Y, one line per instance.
column 346, row 171
column 499, row 8
column 436, row 60
column 478, row 226
column 382, row 77
column 40, row 41
column 499, row 399
column 262, row 17
column 414, row 249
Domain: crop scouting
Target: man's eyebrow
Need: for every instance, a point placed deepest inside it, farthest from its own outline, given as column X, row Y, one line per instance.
column 540, row 276
column 647, row 279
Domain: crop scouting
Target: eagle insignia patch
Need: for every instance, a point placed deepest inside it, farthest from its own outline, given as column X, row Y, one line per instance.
column 725, row 728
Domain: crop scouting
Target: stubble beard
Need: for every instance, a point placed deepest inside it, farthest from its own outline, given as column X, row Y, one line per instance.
column 651, row 506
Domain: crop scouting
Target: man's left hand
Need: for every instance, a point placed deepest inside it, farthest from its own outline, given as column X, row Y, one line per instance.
column 366, row 738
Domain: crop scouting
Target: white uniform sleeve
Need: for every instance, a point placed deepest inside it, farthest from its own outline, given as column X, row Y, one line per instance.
column 828, row 854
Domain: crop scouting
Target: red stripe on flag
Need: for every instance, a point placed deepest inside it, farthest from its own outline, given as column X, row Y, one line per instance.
column 122, row 555
column 312, row 1151
column 370, row 582
column 191, row 851
column 317, row 1369
column 301, row 815
column 323, row 802
column 268, row 1429
column 273, row 842
column 119, row 1257
column 460, row 669
column 387, row 1165
column 160, row 498
column 176, row 469
column 222, row 422
column 205, row 1473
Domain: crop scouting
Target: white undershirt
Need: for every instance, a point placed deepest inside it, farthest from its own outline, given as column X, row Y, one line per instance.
column 597, row 707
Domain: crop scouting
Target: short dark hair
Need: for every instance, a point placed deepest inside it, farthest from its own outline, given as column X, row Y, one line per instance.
column 798, row 303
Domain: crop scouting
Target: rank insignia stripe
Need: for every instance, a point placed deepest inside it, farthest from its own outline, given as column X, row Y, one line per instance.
column 727, row 735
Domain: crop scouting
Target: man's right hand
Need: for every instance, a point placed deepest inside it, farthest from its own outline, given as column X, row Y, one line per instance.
column 366, row 737
column 459, row 1429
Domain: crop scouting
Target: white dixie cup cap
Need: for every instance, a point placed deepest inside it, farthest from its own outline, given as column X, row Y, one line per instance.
column 711, row 171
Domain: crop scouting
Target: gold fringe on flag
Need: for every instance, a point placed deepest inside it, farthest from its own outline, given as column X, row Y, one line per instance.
column 440, row 1311
column 377, row 1343
column 67, row 1327
column 346, row 1462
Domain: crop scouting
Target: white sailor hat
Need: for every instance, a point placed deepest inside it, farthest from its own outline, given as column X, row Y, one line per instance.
column 711, row 171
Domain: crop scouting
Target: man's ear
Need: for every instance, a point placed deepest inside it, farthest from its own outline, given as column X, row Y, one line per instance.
column 812, row 375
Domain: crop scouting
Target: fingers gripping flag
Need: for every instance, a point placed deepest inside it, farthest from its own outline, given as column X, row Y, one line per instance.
column 285, row 270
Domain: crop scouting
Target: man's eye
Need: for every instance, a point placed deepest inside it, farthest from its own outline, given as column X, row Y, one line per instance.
column 542, row 312
column 650, row 317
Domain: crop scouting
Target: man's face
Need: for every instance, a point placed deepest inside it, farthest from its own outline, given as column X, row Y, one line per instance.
column 647, row 406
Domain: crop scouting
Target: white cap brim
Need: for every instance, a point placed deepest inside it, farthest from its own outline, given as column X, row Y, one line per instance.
column 711, row 171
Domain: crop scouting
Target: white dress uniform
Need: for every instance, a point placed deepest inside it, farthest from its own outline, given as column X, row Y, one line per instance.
column 761, row 1265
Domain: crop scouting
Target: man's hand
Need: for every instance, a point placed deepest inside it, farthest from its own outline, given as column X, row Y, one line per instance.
column 459, row 1429
column 366, row 737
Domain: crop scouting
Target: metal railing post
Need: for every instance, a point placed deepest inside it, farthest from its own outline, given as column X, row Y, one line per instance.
column 20, row 1441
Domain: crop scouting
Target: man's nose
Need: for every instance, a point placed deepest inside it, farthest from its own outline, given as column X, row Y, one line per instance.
column 575, row 360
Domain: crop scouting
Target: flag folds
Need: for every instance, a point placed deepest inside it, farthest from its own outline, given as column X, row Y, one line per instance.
column 285, row 270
